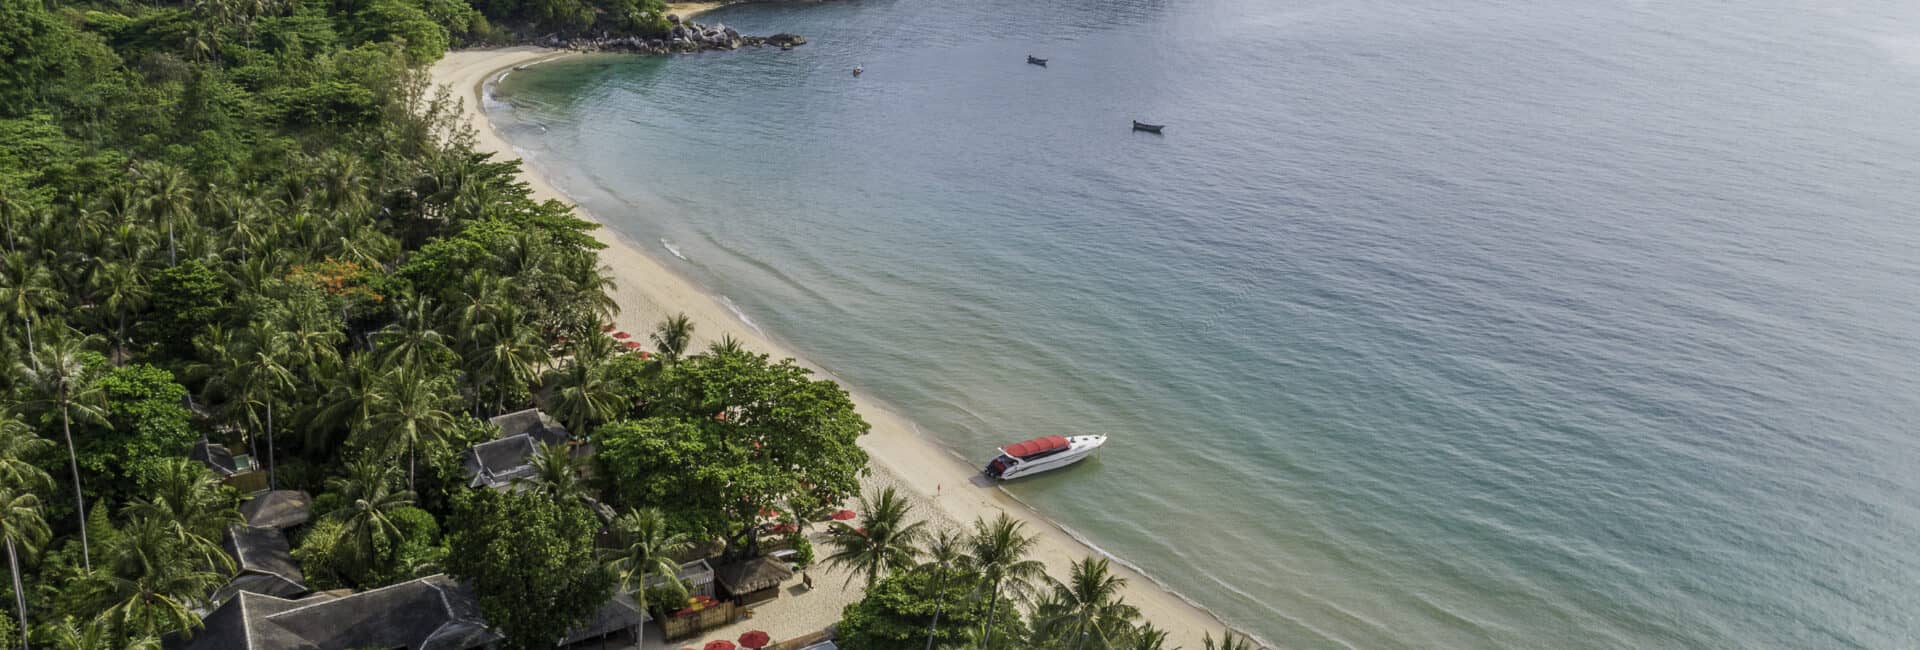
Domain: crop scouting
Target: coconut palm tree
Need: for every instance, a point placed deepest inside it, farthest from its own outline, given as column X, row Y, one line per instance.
column 672, row 336
column 195, row 505
column 555, row 472
column 368, row 497
column 165, row 193
column 646, row 548
column 727, row 346
column 120, row 290
column 1228, row 642
column 999, row 551
column 411, row 339
column 407, row 413
column 26, row 290
column 24, row 530
column 148, row 585
column 501, row 352
column 58, row 376
column 266, row 375
column 591, row 283
column 1087, row 611
column 17, row 444
column 353, row 385
column 1146, row 637
column 946, row 553
column 245, row 371
column 12, row 212
column 582, row 394
column 883, row 541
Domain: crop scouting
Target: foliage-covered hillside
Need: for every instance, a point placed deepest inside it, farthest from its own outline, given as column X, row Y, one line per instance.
column 257, row 205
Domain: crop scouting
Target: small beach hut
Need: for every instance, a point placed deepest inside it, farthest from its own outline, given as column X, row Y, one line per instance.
column 754, row 581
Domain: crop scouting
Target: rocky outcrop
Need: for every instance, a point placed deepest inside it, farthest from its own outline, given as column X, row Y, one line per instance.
column 685, row 36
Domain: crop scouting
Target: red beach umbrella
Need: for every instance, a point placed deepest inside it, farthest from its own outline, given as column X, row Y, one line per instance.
column 621, row 335
column 755, row 639
column 606, row 328
column 844, row 515
column 632, row 344
column 721, row 644
column 644, row 356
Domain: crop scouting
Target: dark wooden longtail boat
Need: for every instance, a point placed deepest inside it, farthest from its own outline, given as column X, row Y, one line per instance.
column 1036, row 60
column 1150, row 128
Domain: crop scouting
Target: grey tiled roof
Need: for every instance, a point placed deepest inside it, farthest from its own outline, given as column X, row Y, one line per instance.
column 619, row 613
column 216, row 457
column 533, row 422
column 278, row 509
column 496, row 463
column 265, row 563
column 431, row 613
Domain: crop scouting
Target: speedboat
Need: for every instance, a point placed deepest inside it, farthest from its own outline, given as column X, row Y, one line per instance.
column 1041, row 454
column 857, row 70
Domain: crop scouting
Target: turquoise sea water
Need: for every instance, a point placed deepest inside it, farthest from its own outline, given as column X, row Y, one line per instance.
column 1487, row 323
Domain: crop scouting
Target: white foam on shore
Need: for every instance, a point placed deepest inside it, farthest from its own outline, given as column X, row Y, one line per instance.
column 676, row 253
column 739, row 313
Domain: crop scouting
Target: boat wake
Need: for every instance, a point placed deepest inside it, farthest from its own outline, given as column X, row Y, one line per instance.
column 676, row 253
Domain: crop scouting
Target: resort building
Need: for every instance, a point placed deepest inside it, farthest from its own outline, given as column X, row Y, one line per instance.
column 431, row 613
column 496, row 463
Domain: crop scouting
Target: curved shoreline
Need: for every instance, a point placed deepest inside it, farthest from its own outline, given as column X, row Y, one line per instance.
column 647, row 289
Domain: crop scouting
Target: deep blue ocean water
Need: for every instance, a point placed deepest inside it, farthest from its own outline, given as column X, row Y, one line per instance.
column 1488, row 323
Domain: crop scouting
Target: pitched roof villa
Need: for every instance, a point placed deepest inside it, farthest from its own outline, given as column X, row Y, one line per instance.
column 431, row 613
column 496, row 463
column 265, row 563
column 278, row 509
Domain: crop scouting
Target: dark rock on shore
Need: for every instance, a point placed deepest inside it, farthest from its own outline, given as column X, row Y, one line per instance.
column 686, row 36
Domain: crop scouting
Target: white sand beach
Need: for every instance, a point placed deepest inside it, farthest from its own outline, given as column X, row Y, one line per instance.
column 945, row 488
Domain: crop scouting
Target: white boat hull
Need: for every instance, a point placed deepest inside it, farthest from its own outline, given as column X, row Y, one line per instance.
column 1006, row 467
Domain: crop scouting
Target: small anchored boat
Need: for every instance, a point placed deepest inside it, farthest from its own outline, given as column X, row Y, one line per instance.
column 857, row 70
column 1036, row 60
column 1040, row 455
column 1150, row 128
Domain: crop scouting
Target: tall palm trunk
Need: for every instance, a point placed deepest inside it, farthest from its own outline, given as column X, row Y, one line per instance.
column 79, row 497
column 640, row 598
column 32, row 359
column 19, row 593
column 993, row 602
column 171, row 258
column 939, row 603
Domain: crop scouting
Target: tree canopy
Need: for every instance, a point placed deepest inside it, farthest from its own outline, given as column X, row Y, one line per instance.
column 727, row 436
column 531, row 560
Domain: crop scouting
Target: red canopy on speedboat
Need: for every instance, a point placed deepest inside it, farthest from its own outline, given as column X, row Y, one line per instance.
column 1035, row 446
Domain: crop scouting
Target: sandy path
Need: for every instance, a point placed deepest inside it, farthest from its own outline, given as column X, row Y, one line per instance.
column 945, row 488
